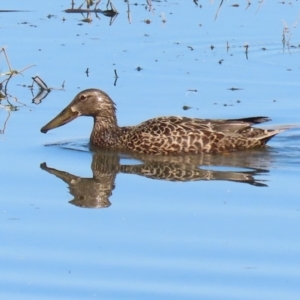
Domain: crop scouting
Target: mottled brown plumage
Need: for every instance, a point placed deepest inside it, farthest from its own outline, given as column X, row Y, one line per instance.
column 162, row 135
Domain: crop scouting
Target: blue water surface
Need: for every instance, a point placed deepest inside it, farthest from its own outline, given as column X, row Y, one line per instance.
column 222, row 238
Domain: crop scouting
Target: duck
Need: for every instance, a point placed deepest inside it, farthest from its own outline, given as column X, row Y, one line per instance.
column 167, row 135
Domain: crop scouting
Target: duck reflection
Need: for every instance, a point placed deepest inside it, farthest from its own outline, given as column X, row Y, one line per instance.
column 95, row 192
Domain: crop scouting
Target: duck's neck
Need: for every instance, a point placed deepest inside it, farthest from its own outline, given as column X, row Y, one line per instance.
column 105, row 132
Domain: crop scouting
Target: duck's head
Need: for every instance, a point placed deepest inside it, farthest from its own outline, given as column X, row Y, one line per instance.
column 91, row 102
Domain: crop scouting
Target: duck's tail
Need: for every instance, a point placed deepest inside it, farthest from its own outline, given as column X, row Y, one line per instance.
column 271, row 131
column 252, row 120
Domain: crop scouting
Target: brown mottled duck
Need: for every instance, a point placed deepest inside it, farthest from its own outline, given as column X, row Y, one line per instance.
column 162, row 135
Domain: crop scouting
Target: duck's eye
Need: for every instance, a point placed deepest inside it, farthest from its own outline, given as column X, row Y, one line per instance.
column 82, row 97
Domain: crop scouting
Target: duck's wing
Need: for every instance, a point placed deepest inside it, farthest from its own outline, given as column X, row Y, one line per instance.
column 172, row 125
column 167, row 135
column 235, row 125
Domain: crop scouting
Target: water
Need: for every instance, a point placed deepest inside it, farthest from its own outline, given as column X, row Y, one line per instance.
column 209, row 227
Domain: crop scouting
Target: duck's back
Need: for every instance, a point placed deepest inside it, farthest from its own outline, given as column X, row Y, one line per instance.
column 176, row 135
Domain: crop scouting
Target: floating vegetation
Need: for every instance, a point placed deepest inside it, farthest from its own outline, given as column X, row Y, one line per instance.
column 42, row 85
column 149, row 5
column 234, row 89
column 11, row 10
column 88, row 19
column 186, row 107
column 44, row 90
column 9, row 74
column 116, row 77
column 112, row 12
column 4, row 95
column 235, row 5
column 246, row 46
column 10, row 103
column 286, row 35
column 163, row 18
column 8, row 107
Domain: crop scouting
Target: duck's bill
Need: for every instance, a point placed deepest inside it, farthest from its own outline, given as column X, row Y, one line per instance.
column 66, row 116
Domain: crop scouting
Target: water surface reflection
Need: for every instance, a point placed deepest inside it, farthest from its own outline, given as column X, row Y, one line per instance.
column 241, row 167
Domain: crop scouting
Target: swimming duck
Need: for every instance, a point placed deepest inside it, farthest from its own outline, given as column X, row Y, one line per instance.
column 162, row 135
